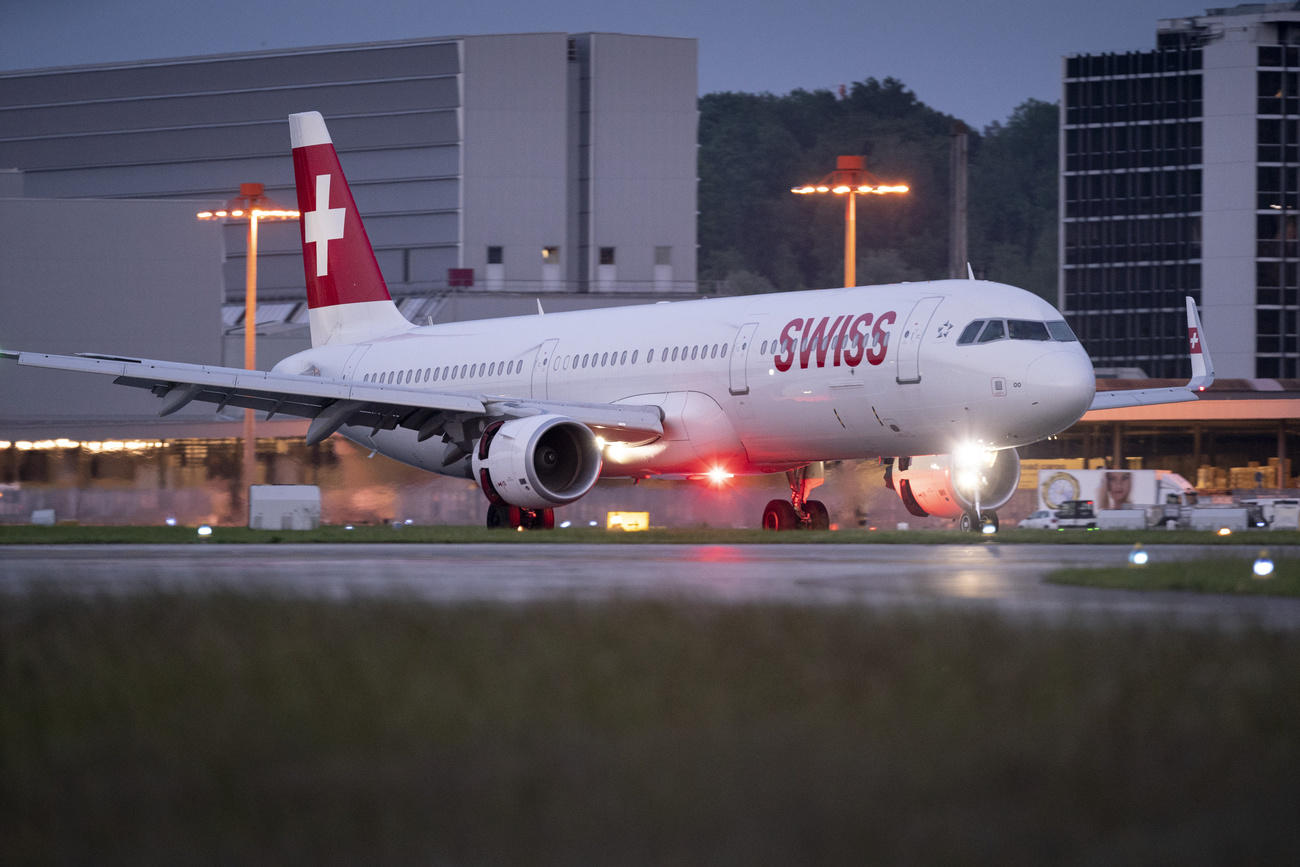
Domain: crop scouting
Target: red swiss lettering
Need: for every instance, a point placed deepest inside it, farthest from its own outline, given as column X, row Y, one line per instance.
column 789, row 334
column 857, row 336
column 880, row 338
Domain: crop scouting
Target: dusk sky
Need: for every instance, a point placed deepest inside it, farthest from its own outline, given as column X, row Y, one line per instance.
column 976, row 61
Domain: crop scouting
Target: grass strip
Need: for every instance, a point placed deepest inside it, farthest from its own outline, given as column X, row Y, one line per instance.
column 236, row 729
column 1225, row 575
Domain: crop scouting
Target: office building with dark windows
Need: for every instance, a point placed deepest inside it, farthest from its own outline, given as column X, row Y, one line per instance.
column 1178, row 177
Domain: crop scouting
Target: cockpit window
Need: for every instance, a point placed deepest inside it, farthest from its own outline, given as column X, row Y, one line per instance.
column 1026, row 329
column 993, row 330
column 968, row 333
column 989, row 330
column 1060, row 331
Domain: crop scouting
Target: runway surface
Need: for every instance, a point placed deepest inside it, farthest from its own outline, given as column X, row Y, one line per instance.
column 991, row 576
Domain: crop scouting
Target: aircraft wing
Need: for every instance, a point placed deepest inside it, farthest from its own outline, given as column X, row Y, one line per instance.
column 333, row 403
column 1202, row 375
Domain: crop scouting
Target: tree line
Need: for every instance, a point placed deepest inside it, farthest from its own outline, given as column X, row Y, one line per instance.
column 756, row 236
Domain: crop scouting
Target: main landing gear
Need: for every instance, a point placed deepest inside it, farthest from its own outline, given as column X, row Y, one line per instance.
column 799, row 513
column 501, row 516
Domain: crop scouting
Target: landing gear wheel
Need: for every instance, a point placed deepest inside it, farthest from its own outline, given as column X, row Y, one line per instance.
column 780, row 515
column 542, row 519
column 967, row 522
column 989, row 519
column 503, row 517
column 818, row 517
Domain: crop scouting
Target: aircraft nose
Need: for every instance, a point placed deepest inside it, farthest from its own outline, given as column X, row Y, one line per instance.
column 1062, row 384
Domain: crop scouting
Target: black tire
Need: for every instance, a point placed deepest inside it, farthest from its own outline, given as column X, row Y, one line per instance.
column 502, row 517
column 780, row 515
column 967, row 522
column 819, row 518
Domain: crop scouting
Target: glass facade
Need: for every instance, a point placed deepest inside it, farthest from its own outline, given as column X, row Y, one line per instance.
column 1131, row 203
column 1276, row 194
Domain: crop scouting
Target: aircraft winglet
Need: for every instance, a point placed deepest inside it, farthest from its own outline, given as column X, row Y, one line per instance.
column 1202, row 364
column 1202, row 375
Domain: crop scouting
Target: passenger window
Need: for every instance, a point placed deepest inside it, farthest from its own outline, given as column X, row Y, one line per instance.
column 1060, row 331
column 695, row 353
column 604, row 359
column 623, row 358
column 1025, row 329
column 634, row 355
column 724, row 350
column 675, row 351
column 968, row 333
column 993, row 330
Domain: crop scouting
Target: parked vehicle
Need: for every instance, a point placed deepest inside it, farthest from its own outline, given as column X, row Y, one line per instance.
column 1079, row 514
column 1043, row 519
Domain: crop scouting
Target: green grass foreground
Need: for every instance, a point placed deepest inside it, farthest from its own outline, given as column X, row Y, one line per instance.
column 1214, row 575
column 232, row 729
column 74, row 534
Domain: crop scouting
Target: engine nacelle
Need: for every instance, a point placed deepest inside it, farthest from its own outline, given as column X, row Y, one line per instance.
column 536, row 462
column 945, row 486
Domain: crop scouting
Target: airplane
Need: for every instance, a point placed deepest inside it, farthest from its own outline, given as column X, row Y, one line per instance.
column 941, row 380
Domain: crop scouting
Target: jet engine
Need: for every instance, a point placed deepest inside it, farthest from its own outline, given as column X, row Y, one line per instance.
column 947, row 486
column 537, row 462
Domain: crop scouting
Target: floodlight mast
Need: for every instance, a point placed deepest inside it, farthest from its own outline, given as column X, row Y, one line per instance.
column 850, row 179
column 251, row 204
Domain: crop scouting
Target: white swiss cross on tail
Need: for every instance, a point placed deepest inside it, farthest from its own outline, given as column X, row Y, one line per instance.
column 1194, row 339
column 323, row 225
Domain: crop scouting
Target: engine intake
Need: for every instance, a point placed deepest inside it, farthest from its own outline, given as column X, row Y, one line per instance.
column 944, row 487
column 537, row 462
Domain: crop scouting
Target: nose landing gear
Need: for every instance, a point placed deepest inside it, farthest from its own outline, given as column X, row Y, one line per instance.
column 978, row 522
column 799, row 513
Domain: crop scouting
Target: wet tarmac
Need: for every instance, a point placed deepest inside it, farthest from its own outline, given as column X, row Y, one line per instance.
column 1004, row 578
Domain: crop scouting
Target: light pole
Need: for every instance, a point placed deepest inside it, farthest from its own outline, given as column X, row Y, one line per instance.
column 850, row 179
column 252, row 205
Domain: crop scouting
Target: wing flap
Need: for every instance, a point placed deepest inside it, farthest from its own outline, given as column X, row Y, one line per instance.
column 332, row 403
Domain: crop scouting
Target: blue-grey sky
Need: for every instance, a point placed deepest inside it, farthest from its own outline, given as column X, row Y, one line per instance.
column 976, row 61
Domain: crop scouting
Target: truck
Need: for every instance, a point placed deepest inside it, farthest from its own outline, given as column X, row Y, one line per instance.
column 1114, row 489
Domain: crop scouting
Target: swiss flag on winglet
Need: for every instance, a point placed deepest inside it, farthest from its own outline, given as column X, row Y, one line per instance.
column 338, row 262
column 1194, row 341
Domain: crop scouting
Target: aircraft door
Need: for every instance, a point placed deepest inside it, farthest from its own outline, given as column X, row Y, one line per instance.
column 542, row 367
column 739, row 351
column 909, row 339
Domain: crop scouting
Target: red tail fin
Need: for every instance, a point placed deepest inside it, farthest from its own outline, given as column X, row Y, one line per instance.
column 338, row 262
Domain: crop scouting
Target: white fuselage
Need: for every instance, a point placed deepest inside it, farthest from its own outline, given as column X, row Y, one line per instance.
column 756, row 383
